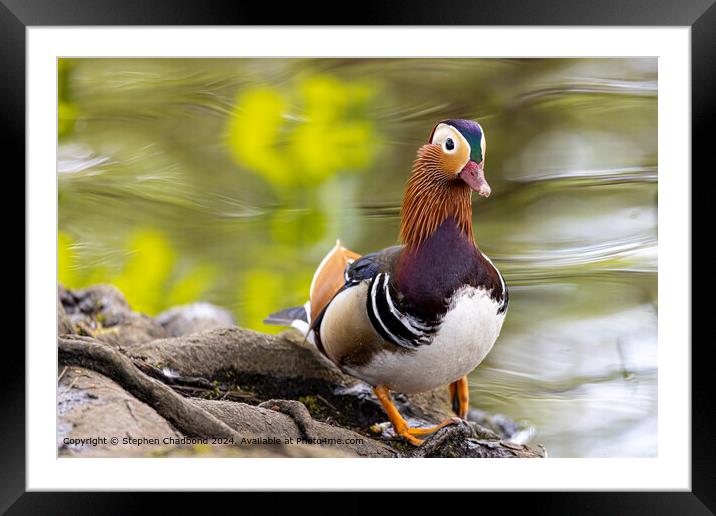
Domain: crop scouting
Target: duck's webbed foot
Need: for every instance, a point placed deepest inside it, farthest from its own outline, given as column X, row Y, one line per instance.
column 400, row 424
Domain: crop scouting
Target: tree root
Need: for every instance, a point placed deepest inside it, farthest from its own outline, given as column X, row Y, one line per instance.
column 192, row 421
column 287, row 423
column 239, row 386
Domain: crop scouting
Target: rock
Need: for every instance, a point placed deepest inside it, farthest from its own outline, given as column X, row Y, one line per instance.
column 207, row 450
column 91, row 405
column 511, row 431
column 265, row 395
column 288, row 419
column 278, row 366
column 64, row 325
column 469, row 440
column 194, row 318
column 102, row 312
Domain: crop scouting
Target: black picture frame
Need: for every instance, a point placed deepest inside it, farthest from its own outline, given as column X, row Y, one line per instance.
column 17, row 15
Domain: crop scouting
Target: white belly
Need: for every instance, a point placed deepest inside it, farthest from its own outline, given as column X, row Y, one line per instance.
column 468, row 331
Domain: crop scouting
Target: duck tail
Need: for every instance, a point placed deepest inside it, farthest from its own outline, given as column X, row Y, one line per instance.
column 295, row 316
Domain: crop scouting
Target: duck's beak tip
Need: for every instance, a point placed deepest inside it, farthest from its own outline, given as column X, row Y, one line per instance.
column 474, row 175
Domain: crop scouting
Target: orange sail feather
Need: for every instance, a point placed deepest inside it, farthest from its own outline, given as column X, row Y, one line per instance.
column 329, row 277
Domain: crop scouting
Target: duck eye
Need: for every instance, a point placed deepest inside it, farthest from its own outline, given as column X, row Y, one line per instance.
column 449, row 144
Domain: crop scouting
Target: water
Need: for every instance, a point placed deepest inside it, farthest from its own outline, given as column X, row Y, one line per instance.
column 227, row 181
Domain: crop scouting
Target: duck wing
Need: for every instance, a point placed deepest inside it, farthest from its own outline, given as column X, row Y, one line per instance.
column 329, row 278
column 393, row 322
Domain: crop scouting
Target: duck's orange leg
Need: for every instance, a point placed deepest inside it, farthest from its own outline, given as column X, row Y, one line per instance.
column 460, row 396
column 401, row 425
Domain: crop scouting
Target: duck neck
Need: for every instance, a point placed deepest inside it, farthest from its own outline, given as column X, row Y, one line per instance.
column 440, row 254
column 431, row 198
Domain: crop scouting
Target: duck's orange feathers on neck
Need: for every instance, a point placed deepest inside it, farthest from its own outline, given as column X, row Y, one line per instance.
column 431, row 196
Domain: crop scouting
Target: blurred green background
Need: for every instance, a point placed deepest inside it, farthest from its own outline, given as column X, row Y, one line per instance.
column 227, row 180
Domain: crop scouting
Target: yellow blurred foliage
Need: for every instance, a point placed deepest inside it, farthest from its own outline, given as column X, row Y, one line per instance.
column 66, row 115
column 264, row 292
column 254, row 130
column 191, row 287
column 66, row 109
column 148, row 277
column 327, row 132
column 294, row 137
column 146, row 270
column 66, row 260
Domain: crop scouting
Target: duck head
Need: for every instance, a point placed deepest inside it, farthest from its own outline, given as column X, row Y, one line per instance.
column 445, row 173
column 459, row 151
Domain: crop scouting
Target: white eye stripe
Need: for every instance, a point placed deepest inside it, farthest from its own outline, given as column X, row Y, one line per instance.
column 441, row 135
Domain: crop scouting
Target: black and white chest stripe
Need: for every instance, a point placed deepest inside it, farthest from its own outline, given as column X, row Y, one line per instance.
column 392, row 323
column 505, row 296
column 505, row 301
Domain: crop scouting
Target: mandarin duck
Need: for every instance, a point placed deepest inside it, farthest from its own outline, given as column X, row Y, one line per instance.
column 420, row 315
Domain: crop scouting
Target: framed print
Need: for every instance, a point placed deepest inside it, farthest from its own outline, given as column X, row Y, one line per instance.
column 298, row 255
